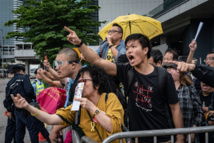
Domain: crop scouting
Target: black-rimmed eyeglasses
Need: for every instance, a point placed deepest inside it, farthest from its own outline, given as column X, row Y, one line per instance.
column 112, row 31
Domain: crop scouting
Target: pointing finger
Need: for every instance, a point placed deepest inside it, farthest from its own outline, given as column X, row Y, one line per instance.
column 174, row 62
column 69, row 30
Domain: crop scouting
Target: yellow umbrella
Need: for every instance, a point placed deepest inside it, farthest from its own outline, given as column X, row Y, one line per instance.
column 134, row 23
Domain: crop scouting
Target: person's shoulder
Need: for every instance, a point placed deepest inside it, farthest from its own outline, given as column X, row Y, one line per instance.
column 122, row 42
column 109, row 97
column 34, row 82
column 25, row 76
column 104, row 45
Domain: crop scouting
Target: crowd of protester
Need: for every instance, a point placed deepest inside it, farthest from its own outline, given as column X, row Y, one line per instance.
column 159, row 91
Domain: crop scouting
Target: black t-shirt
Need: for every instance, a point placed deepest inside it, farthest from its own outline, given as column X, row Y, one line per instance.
column 145, row 104
column 205, row 100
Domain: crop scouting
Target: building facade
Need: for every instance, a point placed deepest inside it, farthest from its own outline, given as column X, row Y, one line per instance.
column 180, row 20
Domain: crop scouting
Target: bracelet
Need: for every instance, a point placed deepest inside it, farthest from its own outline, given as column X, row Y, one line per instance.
column 79, row 44
column 37, row 112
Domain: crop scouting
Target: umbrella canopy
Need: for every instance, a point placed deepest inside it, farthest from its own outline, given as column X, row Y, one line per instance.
column 134, row 23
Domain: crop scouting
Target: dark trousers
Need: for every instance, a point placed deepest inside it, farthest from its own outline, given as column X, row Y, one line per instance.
column 42, row 129
column 10, row 130
column 24, row 119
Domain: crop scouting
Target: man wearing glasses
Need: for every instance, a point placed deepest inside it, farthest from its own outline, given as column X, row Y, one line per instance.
column 67, row 65
column 114, row 47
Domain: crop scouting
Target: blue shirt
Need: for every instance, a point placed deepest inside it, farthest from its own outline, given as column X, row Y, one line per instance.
column 105, row 47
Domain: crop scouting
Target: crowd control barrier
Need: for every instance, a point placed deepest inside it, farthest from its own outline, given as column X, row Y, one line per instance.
column 154, row 133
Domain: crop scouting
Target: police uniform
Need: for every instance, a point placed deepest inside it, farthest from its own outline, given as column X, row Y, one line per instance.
column 38, row 87
column 21, row 84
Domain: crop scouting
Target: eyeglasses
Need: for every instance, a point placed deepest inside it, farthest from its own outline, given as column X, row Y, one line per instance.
column 209, row 59
column 84, row 80
column 112, row 31
column 61, row 63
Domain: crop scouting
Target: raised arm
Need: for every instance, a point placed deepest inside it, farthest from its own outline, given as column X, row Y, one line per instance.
column 192, row 48
column 48, row 80
column 90, row 55
column 201, row 72
column 113, row 49
column 51, row 70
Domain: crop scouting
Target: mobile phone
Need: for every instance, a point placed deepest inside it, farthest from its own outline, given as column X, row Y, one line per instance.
column 46, row 56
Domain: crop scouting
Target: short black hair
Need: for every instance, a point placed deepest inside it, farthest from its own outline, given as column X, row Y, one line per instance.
column 211, row 52
column 17, row 69
column 157, row 55
column 120, row 28
column 99, row 78
column 144, row 41
column 174, row 53
column 35, row 72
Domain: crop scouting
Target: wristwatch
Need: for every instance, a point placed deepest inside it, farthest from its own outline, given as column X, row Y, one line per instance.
column 79, row 44
column 111, row 46
column 96, row 112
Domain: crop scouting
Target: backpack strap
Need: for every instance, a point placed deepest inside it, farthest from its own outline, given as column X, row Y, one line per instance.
column 162, row 76
column 162, row 81
column 130, row 77
column 106, row 98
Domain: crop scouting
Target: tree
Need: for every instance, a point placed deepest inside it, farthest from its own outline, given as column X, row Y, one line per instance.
column 43, row 22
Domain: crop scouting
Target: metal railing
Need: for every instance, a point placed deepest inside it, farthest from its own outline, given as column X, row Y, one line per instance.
column 86, row 139
column 155, row 133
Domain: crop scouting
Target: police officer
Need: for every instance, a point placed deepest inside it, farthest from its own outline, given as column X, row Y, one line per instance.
column 11, row 122
column 38, row 86
column 21, row 84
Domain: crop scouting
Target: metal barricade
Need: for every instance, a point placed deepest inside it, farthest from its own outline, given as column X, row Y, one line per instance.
column 155, row 133
column 86, row 139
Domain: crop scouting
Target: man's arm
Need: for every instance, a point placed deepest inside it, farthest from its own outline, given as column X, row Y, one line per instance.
column 201, row 72
column 177, row 119
column 48, row 80
column 51, row 70
column 8, row 100
column 90, row 55
column 46, row 73
column 111, row 46
column 192, row 47
column 114, row 52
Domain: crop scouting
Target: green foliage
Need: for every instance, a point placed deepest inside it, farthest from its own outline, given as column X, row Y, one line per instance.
column 43, row 22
